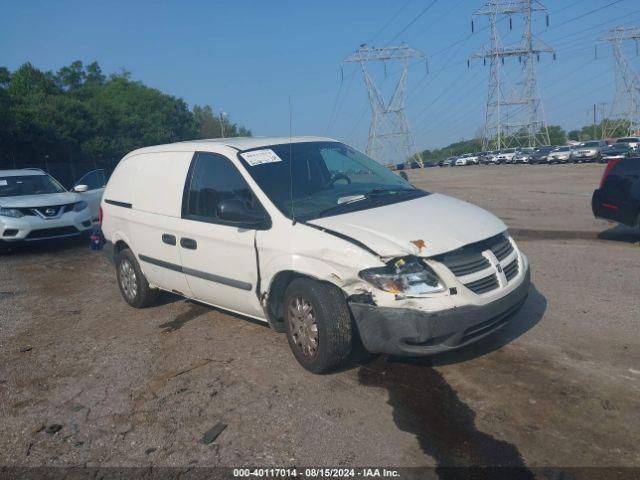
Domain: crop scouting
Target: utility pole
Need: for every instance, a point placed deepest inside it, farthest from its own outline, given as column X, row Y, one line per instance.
column 222, row 115
column 594, row 121
column 603, row 107
column 625, row 109
column 390, row 137
column 514, row 117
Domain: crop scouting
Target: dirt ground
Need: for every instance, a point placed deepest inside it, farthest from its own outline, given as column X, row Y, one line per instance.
column 559, row 387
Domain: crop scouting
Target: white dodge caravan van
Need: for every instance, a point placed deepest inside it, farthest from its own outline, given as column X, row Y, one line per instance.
column 315, row 238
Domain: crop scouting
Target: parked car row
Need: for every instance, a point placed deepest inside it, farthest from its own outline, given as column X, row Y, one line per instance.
column 590, row 151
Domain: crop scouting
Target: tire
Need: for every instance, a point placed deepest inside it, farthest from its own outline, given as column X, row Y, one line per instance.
column 132, row 283
column 3, row 248
column 317, row 310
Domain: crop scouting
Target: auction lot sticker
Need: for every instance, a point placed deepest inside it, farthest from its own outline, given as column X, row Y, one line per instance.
column 258, row 157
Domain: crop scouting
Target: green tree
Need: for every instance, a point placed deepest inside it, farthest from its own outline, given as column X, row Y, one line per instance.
column 80, row 114
column 557, row 135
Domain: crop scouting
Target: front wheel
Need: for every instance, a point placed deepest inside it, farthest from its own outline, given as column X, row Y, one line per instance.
column 132, row 282
column 318, row 324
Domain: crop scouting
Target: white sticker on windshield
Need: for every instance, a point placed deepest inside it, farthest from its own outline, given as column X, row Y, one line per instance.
column 258, row 157
column 3, row 183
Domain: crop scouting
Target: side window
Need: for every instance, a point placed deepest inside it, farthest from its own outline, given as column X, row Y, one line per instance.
column 213, row 178
column 94, row 179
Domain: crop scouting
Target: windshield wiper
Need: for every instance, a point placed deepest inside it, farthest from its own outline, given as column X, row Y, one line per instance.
column 376, row 192
column 371, row 194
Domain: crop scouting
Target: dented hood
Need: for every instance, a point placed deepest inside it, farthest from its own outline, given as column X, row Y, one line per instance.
column 442, row 223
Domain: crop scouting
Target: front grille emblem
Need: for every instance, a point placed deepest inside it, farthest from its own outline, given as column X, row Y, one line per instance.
column 499, row 268
column 50, row 212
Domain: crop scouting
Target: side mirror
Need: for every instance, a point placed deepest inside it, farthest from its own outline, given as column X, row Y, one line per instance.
column 81, row 188
column 235, row 211
column 404, row 175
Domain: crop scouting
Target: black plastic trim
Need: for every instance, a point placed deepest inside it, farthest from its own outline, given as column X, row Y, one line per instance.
column 119, row 204
column 188, row 243
column 230, row 282
column 169, row 239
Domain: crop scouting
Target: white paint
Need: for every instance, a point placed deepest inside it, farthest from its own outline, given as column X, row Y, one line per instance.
column 442, row 222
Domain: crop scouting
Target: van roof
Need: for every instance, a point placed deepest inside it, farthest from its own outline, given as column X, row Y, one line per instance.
column 20, row 173
column 239, row 143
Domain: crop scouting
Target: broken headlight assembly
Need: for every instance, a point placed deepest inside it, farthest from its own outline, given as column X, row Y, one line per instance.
column 405, row 275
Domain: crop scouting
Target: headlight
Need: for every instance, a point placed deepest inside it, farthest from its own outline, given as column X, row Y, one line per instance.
column 10, row 212
column 78, row 207
column 406, row 275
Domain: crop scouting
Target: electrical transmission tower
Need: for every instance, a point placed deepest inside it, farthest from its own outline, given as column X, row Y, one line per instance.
column 513, row 117
column 624, row 116
column 390, row 137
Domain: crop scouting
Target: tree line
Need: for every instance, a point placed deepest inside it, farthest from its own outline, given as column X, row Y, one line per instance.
column 78, row 114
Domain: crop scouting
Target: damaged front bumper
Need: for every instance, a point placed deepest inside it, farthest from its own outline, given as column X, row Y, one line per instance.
column 406, row 331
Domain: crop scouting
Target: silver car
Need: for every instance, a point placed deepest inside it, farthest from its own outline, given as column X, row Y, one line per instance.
column 523, row 155
column 34, row 207
column 590, row 151
column 560, row 155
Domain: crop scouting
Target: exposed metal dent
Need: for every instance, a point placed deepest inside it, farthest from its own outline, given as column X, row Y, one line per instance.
column 343, row 237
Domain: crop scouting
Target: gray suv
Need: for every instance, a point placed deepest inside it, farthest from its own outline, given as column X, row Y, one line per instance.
column 590, row 151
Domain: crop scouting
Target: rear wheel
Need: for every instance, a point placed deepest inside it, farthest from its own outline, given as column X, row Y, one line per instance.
column 318, row 324
column 132, row 282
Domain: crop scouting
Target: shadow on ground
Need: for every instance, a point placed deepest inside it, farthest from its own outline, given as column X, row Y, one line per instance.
column 621, row 233
column 425, row 405
column 47, row 246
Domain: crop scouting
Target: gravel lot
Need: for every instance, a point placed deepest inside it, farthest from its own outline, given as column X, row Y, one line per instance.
column 558, row 387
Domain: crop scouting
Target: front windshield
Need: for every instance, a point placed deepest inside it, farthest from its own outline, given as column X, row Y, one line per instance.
column 620, row 146
column 591, row 144
column 563, row 149
column 328, row 178
column 21, row 185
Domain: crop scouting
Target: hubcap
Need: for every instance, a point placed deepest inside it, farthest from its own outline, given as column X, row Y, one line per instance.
column 304, row 329
column 128, row 280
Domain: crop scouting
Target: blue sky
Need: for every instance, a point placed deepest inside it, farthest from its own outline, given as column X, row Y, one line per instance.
column 249, row 57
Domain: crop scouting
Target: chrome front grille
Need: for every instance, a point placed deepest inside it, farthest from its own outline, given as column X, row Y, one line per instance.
column 53, row 211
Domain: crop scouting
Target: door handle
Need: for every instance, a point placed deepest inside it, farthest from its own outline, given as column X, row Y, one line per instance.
column 189, row 243
column 168, row 239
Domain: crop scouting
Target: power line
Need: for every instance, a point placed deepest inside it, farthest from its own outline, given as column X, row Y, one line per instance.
column 590, row 12
column 389, row 22
column 414, row 20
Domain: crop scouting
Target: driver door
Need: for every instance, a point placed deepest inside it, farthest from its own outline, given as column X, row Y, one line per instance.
column 218, row 257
